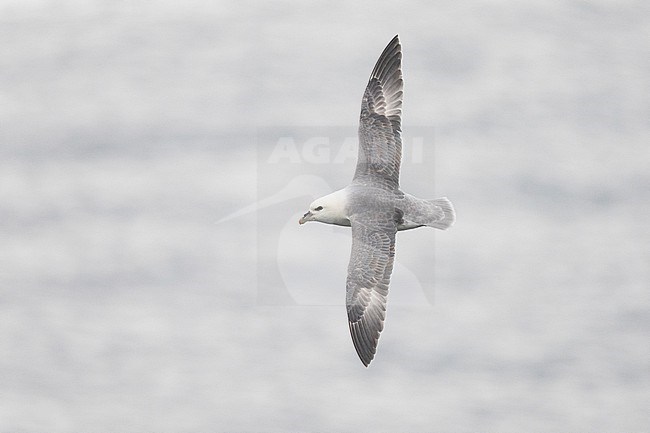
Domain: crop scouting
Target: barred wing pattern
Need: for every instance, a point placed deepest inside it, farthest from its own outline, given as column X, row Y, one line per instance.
column 371, row 263
column 380, row 143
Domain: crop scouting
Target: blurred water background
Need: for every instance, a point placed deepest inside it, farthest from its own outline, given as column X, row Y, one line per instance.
column 129, row 128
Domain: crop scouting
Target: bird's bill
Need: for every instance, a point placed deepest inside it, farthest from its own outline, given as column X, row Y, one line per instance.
column 306, row 217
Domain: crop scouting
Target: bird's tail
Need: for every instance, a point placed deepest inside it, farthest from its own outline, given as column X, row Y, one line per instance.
column 448, row 209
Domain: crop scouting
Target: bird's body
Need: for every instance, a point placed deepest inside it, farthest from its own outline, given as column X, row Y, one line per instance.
column 355, row 199
column 374, row 206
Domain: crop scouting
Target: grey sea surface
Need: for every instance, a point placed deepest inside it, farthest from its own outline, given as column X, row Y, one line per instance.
column 129, row 129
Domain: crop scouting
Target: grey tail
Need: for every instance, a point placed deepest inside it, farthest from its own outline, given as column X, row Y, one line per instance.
column 448, row 209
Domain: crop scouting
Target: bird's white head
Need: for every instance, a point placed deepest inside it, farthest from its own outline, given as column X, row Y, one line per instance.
column 330, row 209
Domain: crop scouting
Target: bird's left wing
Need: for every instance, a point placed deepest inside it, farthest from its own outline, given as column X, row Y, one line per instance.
column 371, row 263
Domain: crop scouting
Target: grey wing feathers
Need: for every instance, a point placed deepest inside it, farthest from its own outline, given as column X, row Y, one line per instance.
column 380, row 144
column 371, row 263
column 448, row 216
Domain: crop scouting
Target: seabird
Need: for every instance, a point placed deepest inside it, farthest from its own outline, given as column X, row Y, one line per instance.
column 374, row 206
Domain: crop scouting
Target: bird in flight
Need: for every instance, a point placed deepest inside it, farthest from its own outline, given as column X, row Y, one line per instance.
column 374, row 206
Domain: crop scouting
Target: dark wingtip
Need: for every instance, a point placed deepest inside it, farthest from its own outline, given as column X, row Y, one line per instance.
column 365, row 350
column 391, row 51
column 366, row 362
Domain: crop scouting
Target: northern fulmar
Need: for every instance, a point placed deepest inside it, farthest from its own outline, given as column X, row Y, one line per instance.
column 374, row 206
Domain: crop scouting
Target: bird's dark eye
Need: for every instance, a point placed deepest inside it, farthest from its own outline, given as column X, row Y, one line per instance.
column 319, row 208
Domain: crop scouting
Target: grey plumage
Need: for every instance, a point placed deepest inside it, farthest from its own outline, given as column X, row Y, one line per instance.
column 374, row 206
column 376, row 213
column 380, row 143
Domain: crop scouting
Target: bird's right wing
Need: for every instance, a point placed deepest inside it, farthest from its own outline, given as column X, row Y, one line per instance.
column 380, row 143
column 371, row 263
